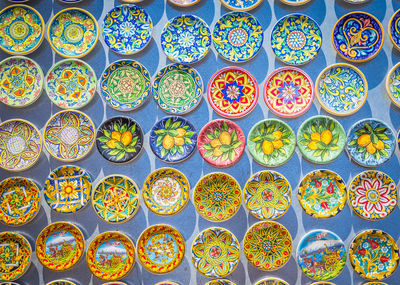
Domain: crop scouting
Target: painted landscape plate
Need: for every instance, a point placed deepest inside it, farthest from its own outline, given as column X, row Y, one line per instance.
column 393, row 84
column 183, row 3
column 241, row 5
column 272, row 281
column 295, row 2
column 394, row 29
column 220, row 282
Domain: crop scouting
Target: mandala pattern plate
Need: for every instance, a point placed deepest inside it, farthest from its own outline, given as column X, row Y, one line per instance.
column 271, row 281
column 295, row 2
column 393, row 84
column 183, row 3
column 61, row 282
column 220, row 282
column 215, row 252
column 241, row 5
column 394, row 29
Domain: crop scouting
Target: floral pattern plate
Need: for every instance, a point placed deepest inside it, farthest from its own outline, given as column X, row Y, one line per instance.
column 393, row 84
column 220, row 282
column 241, row 5
column 272, row 281
column 394, row 29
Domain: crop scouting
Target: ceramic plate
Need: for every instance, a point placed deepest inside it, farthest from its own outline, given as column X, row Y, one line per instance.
column 374, row 247
column 356, row 1
column 221, row 143
column 71, row 84
column 322, row 250
column 73, row 32
column 119, row 139
column 267, row 195
column 375, row 283
column 115, row 283
column 370, row 142
column 186, row 39
column 373, row 195
column 296, row 39
column 61, row 282
column 183, row 3
column 357, row 36
column 220, row 282
column 267, row 245
column 393, row 84
column 217, row 197
column 111, row 256
column 160, row 249
column 232, row 92
column 295, row 2
column 241, row 5
column 177, row 89
column 116, row 199
column 173, row 139
column 69, row 135
column 288, row 92
column 272, row 281
column 68, row 189
column 19, row 201
column 394, row 29
column 238, row 36
column 60, row 246
column 127, row 29
column 271, row 142
column 326, row 283
column 215, row 252
column 20, row 145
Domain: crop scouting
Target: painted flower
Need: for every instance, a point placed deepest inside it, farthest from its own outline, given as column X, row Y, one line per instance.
column 68, row 190
column 186, row 39
column 126, row 29
column 7, row 255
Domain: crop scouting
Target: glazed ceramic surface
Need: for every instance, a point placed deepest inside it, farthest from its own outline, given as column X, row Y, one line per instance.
column 241, row 5
column 183, row 3
column 393, row 84
column 220, row 282
column 394, row 29
column 295, row 2
column 272, row 281
column 61, row 282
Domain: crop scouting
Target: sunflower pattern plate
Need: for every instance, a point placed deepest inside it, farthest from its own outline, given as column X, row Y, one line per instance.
column 272, row 281
column 241, row 5
column 393, row 84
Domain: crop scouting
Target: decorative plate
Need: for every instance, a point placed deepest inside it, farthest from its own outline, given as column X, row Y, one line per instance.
column 69, row 135
column 60, row 246
column 326, row 283
column 241, row 5
column 370, row 142
column 21, row 81
column 221, row 143
column 73, row 32
column 15, row 256
column 127, row 29
column 373, row 195
column 394, row 29
column 267, row 245
column 393, row 84
column 296, row 39
column 160, row 249
column 238, row 36
column 375, row 283
column 272, row 281
column 288, row 92
column 295, row 2
column 183, row 3
column 232, row 92
column 377, row 248
column 173, row 139
column 356, row 1
column 358, row 36
column 20, row 145
column 267, row 195
column 321, row 139
column 116, row 199
column 61, row 282
column 119, row 139
column 271, row 142
column 217, row 197
column 125, row 85
column 220, row 282
column 115, row 283
column 111, row 256
column 324, row 250
column 215, row 252
column 68, row 189
column 177, row 89
column 71, row 84
column 186, row 39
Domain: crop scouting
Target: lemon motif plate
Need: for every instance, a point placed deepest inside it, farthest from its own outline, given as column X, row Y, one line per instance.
column 220, row 282
column 241, row 5
column 272, row 281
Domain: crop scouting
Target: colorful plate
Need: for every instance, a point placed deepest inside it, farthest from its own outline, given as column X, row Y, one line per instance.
column 215, row 252
column 358, row 36
column 68, row 189
column 374, row 283
column 116, row 199
column 271, row 142
column 61, row 282
column 272, row 281
column 183, row 3
column 241, row 5
column 394, row 29
column 115, row 283
column 373, row 195
column 327, row 283
column 69, row 135
column 160, row 249
column 220, row 282
column 393, row 84
column 173, row 139
column 295, row 2
column 376, row 248
column 232, row 92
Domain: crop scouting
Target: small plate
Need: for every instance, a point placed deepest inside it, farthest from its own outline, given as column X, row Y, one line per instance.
column 127, row 29
column 295, row 2
column 160, row 249
column 267, row 195
column 321, row 255
column 377, row 248
column 186, row 39
column 393, row 84
column 328, row 283
column 370, row 142
column 232, row 92
column 71, row 84
column 119, row 139
column 288, row 92
column 173, row 139
column 373, row 195
column 60, row 246
column 20, row 145
column 394, row 29
column 272, row 281
column 111, row 256
column 296, row 39
column 245, row 5
column 115, row 283
column 116, row 199
column 61, row 282
column 215, row 252
column 220, row 282
column 267, row 245
column 183, row 3
column 69, row 135
column 271, row 142
column 72, row 32
column 357, row 36
column 221, row 143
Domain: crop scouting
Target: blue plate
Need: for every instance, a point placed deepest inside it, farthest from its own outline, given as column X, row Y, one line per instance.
column 394, row 29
